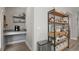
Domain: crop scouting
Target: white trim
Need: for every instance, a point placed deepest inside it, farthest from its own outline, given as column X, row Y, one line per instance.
column 28, row 45
column 73, row 38
column 15, row 42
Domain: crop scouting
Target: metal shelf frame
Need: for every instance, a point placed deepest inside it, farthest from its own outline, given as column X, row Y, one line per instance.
column 54, row 23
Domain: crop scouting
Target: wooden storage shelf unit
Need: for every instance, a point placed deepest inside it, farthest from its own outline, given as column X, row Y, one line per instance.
column 58, row 32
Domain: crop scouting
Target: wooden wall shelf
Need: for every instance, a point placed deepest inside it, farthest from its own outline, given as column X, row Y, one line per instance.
column 63, row 23
column 20, row 17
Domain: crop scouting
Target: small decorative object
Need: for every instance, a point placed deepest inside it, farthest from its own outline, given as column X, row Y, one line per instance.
column 52, row 19
column 23, row 14
column 58, row 28
column 52, row 41
column 57, row 39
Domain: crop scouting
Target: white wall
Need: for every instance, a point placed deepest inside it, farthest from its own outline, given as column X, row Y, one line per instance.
column 1, row 28
column 41, row 23
column 74, row 33
column 78, row 24
column 14, row 11
column 30, row 27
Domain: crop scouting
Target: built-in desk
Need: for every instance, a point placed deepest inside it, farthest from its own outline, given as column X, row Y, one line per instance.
column 12, row 36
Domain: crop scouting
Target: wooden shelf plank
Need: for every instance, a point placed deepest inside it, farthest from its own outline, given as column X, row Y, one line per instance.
column 56, row 13
column 57, row 33
column 58, row 23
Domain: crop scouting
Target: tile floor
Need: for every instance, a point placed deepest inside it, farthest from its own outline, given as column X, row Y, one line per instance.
column 75, row 47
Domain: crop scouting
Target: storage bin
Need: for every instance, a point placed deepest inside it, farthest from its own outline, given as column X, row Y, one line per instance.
column 44, row 45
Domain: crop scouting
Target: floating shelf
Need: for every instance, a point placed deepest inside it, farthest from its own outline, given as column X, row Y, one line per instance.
column 21, row 17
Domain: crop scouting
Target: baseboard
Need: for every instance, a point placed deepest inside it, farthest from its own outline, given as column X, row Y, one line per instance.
column 72, row 43
column 28, row 46
column 15, row 42
column 73, row 38
column 0, row 49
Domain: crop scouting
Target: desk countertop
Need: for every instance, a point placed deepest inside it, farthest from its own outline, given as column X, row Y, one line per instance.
column 12, row 32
